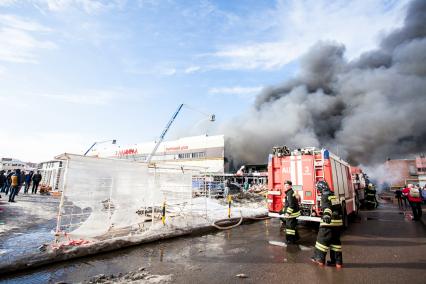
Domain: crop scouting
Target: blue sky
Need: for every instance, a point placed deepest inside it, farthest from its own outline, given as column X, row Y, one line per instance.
column 77, row 71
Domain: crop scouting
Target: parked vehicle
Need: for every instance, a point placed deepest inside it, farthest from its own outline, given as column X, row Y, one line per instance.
column 305, row 167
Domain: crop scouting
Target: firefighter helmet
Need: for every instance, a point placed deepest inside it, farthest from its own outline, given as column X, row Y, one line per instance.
column 323, row 187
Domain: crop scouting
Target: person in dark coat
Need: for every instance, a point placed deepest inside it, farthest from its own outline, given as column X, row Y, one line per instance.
column 36, row 180
column 28, row 177
column 291, row 211
column 8, row 181
column 328, row 237
column 21, row 181
column 2, row 181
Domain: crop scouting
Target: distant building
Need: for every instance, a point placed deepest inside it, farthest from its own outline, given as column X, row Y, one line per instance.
column 421, row 169
column 401, row 172
column 13, row 164
column 206, row 152
column 51, row 173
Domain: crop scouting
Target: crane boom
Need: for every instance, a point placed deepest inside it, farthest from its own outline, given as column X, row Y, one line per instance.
column 163, row 134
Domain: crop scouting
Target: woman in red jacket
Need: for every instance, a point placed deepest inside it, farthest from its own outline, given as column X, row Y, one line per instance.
column 414, row 197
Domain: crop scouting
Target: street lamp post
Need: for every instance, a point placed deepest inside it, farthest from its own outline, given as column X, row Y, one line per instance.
column 98, row 142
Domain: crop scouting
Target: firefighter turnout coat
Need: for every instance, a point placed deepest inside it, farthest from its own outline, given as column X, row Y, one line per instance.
column 330, row 206
column 329, row 232
column 291, row 205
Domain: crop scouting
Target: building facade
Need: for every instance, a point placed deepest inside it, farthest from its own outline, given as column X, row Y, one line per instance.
column 421, row 169
column 11, row 164
column 51, row 173
column 401, row 172
column 204, row 152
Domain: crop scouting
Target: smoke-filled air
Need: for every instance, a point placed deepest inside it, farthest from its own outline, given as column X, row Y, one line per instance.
column 367, row 109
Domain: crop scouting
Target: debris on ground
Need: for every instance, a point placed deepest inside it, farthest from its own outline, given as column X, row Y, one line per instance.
column 259, row 188
column 241, row 275
column 140, row 276
column 249, row 198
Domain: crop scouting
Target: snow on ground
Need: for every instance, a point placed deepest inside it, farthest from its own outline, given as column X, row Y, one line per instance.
column 38, row 217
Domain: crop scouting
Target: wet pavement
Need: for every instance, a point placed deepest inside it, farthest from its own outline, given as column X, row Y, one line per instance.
column 28, row 223
column 381, row 246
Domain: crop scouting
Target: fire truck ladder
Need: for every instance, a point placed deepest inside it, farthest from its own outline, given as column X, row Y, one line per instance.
column 319, row 166
column 319, row 171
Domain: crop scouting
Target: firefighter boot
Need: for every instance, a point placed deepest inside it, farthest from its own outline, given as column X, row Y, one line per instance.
column 318, row 258
column 289, row 239
column 332, row 261
column 339, row 259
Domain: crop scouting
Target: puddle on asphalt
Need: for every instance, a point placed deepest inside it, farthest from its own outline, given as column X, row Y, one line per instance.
column 19, row 244
column 194, row 251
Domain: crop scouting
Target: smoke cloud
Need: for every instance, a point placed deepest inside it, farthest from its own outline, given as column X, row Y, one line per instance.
column 363, row 110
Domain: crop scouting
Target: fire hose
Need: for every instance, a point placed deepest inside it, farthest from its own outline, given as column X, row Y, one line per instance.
column 229, row 219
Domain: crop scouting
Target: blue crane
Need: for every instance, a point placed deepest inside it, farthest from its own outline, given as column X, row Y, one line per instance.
column 163, row 134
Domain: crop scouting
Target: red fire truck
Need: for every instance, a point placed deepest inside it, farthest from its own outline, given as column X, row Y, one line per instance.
column 304, row 167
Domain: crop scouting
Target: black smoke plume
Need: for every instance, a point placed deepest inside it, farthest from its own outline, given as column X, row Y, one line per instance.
column 365, row 110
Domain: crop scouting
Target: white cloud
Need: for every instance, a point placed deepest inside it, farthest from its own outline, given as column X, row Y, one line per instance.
column 88, row 6
column 243, row 92
column 192, row 69
column 19, row 39
column 300, row 24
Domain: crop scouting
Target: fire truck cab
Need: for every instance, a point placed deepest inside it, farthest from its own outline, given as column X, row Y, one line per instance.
column 304, row 167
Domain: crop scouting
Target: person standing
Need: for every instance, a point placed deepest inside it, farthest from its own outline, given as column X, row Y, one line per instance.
column 14, row 185
column 405, row 196
column 36, row 181
column 28, row 177
column 398, row 196
column 370, row 196
column 423, row 191
column 2, row 181
column 8, row 180
column 21, row 181
column 329, row 232
column 415, row 200
column 291, row 211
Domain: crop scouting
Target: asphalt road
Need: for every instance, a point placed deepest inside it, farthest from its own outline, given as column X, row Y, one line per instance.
column 381, row 246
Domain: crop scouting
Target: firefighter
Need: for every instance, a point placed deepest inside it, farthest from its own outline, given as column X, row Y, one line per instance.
column 370, row 197
column 291, row 212
column 329, row 231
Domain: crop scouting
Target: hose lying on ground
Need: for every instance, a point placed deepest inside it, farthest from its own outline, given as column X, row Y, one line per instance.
column 240, row 220
column 227, row 220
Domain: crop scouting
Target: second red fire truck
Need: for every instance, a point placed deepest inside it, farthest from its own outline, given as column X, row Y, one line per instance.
column 305, row 167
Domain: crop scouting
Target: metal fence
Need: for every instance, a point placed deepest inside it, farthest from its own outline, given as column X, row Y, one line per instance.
column 105, row 198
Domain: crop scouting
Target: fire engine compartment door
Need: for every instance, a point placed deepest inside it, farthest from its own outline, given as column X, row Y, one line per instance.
column 341, row 179
column 302, row 177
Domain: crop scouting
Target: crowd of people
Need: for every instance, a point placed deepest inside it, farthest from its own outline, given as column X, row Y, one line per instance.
column 11, row 182
column 413, row 195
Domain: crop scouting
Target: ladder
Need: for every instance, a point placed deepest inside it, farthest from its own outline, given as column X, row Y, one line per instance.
column 319, row 166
